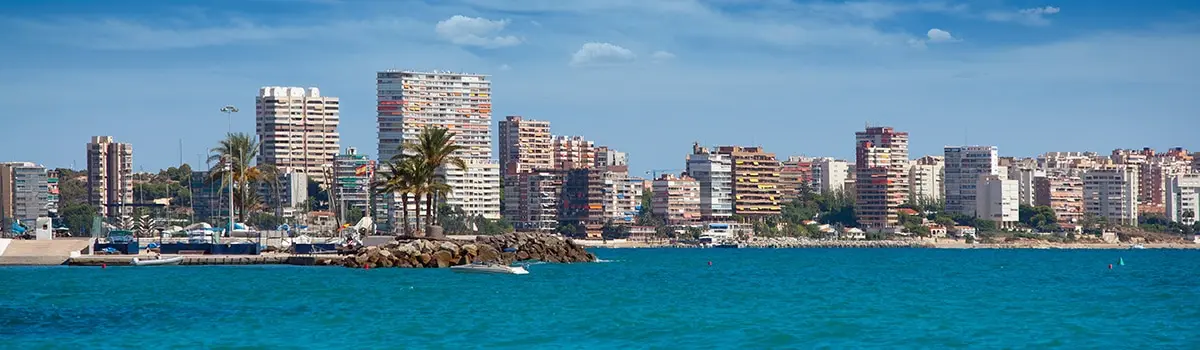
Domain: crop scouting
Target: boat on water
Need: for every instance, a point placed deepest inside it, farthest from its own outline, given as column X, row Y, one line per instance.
column 158, row 262
column 490, row 268
column 730, row 245
column 1137, row 246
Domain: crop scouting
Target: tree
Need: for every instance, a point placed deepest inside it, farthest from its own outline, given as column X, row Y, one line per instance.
column 265, row 221
column 77, row 216
column 234, row 158
column 404, row 178
column 1040, row 217
column 435, row 148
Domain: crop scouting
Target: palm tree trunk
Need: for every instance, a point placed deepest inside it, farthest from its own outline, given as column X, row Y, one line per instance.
column 417, row 211
column 404, row 209
column 429, row 209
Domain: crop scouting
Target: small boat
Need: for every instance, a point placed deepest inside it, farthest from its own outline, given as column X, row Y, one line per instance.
column 730, row 245
column 490, row 268
column 1137, row 246
column 158, row 262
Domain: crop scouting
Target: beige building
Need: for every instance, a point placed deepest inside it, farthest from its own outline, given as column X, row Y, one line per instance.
column 996, row 200
column 606, row 157
column 110, row 176
column 297, row 129
column 531, row 199
column 927, row 177
column 1064, row 194
column 524, row 145
column 830, row 175
column 677, row 199
column 572, row 152
column 881, row 182
column 756, row 181
column 1111, row 192
column 795, row 175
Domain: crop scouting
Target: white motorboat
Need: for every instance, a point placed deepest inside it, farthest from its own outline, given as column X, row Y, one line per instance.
column 158, row 262
column 1137, row 246
column 490, row 268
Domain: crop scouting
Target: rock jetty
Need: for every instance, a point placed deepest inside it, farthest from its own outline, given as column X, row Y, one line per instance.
column 504, row 249
column 813, row 243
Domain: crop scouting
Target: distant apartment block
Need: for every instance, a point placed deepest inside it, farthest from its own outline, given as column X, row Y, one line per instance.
column 475, row 189
column 997, row 201
column 830, row 175
column 714, row 175
column 352, row 174
column 592, row 197
column 572, row 152
column 110, row 176
column 795, row 176
column 24, row 193
column 927, row 176
column 52, row 197
column 297, row 129
column 608, row 157
column 756, row 181
column 288, row 194
column 676, row 199
column 1111, row 192
column 525, row 144
column 1183, row 198
column 964, row 167
column 881, row 179
column 1069, row 163
column 531, row 199
column 1064, row 194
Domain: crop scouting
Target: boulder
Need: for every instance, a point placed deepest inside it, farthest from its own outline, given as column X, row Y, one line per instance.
column 443, row 258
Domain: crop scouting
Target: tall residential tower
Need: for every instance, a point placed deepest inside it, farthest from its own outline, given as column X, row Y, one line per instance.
column 881, row 182
column 297, row 128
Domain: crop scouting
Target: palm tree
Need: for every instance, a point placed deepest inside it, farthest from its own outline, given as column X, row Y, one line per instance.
column 404, row 178
column 237, row 152
column 435, row 148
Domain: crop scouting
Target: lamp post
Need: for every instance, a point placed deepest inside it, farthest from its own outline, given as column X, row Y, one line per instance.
column 229, row 110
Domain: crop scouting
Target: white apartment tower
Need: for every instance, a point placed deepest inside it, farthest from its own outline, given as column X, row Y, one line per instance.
column 1111, row 192
column 996, row 200
column 927, row 177
column 830, row 175
column 964, row 167
column 297, row 128
column 110, row 176
column 714, row 174
column 409, row 101
column 1183, row 198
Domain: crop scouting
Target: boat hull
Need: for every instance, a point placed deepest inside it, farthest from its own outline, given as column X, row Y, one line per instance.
column 502, row 270
column 158, row 262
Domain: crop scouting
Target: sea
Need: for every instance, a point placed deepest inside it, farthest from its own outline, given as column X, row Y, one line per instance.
column 633, row 299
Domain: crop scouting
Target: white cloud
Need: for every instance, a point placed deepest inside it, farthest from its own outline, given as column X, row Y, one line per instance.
column 475, row 31
column 659, row 56
column 1031, row 16
column 505, row 67
column 937, row 35
column 601, row 53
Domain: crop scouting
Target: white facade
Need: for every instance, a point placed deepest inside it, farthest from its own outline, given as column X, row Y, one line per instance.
column 475, row 189
column 1111, row 192
column 1026, row 182
column 24, row 193
column 964, row 167
column 714, row 173
column 996, row 200
column 1183, row 198
column 829, row 175
column 926, row 181
column 297, row 128
column 409, row 101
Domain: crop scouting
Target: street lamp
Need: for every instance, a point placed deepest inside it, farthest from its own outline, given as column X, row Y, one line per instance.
column 229, row 110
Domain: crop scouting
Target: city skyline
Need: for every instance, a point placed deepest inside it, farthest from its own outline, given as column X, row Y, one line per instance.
column 1027, row 77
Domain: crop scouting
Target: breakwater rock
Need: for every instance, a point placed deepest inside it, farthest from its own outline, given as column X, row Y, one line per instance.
column 504, row 249
column 812, row 243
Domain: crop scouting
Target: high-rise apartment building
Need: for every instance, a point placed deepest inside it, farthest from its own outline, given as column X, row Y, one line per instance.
column 110, row 176
column 24, row 193
column 926, row 176
column 1064, row 194
column 572, row 152
column 410, row 101
column 1111, row 192
column 531, row 199
column 996, row 200
column 756, row 181
column 795, row 176
column 524, row 145
column 1183, row 198
column 714, row 174
column 592, row 197
column 964, row 167
column 52, row 197
column 1069, row 163
column 676, row 199
column 881, row 183
column 297, row 129
column 830, row 175
column 1026, row 176
column 352, row 174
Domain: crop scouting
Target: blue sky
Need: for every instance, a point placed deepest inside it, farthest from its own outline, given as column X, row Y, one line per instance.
column 648, row 77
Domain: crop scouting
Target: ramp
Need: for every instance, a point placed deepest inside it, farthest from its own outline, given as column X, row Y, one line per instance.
column 50, row 252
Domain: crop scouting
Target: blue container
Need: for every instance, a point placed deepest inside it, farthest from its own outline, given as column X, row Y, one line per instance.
column 124, row 248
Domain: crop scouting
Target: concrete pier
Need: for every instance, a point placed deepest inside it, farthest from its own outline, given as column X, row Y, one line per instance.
column 265, row 259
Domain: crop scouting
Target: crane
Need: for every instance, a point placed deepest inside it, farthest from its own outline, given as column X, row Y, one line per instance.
column 654, row 172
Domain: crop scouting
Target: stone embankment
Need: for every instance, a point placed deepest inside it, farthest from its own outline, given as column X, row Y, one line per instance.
column 812, row 243
column 504, row 249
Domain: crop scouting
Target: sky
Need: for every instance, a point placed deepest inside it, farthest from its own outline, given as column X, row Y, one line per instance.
column 648, row 77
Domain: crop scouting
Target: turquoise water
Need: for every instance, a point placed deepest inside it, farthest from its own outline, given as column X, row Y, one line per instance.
column 643, row 298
